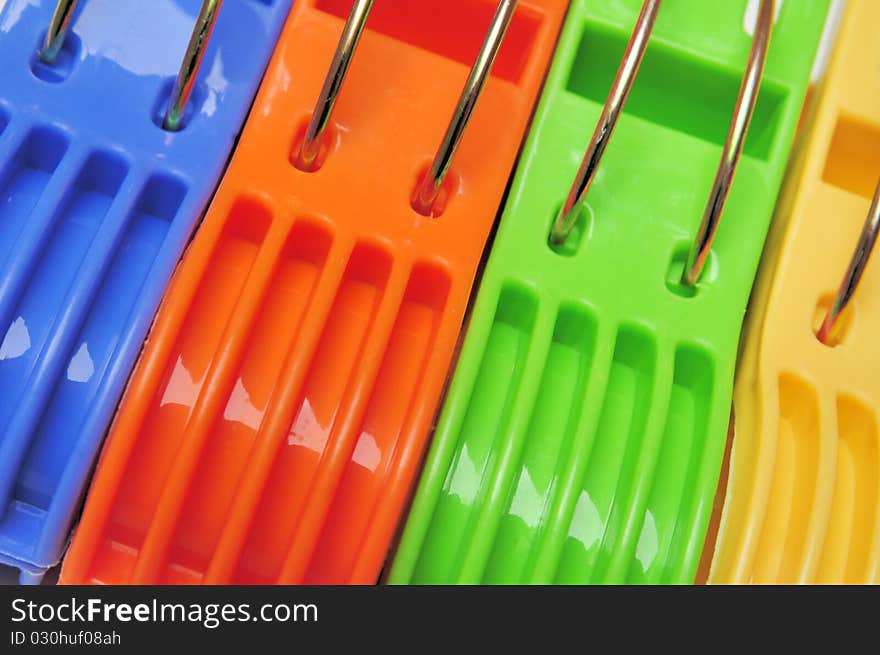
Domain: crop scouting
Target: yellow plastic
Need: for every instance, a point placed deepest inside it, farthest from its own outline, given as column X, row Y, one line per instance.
column 803, row 499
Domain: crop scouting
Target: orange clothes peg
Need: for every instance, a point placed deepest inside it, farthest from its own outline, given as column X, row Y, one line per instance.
column 803, row 498
column 279, row 412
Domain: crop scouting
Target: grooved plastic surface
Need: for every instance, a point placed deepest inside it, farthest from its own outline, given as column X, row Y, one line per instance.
column 274, row 424
column 96, row 206
column 583, row 432
column 803, row 500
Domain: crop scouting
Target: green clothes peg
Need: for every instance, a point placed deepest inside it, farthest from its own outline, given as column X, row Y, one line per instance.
column 584, row 428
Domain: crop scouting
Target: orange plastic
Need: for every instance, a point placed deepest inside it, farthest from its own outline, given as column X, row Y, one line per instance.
column 279, row 412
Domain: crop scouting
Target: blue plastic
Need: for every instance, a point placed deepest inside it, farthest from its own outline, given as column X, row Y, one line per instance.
column 97, row 203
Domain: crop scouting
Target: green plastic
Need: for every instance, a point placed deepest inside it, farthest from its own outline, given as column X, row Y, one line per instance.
column 583, row 432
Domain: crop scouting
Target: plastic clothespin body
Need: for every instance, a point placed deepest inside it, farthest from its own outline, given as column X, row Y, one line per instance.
column 274, row 425
column 803, row 499
column 584, row 429
column 96, row 205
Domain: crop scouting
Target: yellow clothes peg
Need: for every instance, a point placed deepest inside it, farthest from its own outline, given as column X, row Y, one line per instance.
column 803, row 498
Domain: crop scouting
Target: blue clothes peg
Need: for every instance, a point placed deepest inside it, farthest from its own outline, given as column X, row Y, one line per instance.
column 98, row 199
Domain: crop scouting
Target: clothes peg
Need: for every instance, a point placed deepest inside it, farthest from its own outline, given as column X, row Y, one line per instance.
column 275, row 423
column 584, row 427
column 803, row 498
column 97, row 202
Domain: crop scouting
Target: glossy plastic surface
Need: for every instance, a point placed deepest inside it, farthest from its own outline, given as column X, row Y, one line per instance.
column 275, row 422
column 96, row 206
column 584, row 428
column 803, row 500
